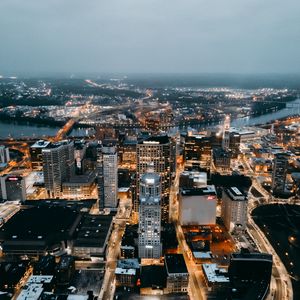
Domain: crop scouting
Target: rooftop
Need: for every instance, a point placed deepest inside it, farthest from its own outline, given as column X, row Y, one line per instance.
column 175, row 264
column 215, row 274
column 208, row 190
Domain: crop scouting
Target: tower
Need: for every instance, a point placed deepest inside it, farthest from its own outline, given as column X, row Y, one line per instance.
column 226, row 133
column 58, row 166
column 156, row 150
column 107, row 167
column 280, row 165
column 150, row 216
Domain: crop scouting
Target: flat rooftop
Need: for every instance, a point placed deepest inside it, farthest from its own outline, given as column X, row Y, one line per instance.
column 215, row 274
column 208, row 190
column 175, row 264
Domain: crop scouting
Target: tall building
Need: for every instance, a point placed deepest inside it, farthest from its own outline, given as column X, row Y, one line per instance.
column 12, row 188
column 250, row 274
column 280, row 166
column 156, row 150
column 234, row 209
column 4, row 155
column 226, row 133
column 107, row 168
column 150, row 216
column 36, row 156
column 58, row 166
column 198, row 206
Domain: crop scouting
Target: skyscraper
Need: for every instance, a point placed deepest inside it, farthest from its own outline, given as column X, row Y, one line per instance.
column 150, row 216
column 280, row 165
column 234, row 209
column 58, row 166
column 226, row 133
column 4, row 155
column 107, row 168
column 156, row 150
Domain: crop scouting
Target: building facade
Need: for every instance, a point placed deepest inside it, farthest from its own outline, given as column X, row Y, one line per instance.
column 280, row 166
column 107, row 178
column 149, row 245
column 234, row 209
column 157, row 151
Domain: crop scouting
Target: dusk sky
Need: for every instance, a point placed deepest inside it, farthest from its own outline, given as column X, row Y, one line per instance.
column 149, row 36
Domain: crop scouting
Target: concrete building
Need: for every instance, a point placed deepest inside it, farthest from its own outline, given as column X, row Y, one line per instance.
column 4, row 155
column 156, row 150
column 198, row 206
column 36, row 156
column 79, row 187
column 127, row 272
column 149, row 245
column 107, row 169
column 80, row 147
column 177, row 274
column 58, row 166
column 234, row 209
column 226, row 133
column 12, row 188
column 280, row 167
column 215, row 278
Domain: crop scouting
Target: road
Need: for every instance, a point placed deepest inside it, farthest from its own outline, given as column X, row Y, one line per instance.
column 113, row 251
column 196, row 286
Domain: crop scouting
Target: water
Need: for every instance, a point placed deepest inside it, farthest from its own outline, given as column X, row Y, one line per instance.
column 15, row 130
column 292, row 108
column 279, row 222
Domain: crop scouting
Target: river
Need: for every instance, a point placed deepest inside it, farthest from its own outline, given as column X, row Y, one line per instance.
column 16, row 130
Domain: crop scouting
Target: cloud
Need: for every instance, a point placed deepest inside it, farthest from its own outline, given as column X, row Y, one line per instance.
column 149, row 36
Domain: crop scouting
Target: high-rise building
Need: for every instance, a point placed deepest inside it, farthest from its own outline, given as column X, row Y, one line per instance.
column 226, row 133
column 36, row 156
column 12, row 188
column 150, row 216
column 198, row 206
column 157, row 151
column 107, row 168
column 58, row 166
column 4, row 155
column 234, row 209
column 280, row 166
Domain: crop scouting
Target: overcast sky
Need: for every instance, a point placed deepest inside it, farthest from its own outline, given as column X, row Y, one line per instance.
column 182, row 36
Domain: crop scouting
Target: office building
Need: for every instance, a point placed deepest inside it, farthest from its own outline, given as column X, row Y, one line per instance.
column 107, row 178
column 12, row 188
column 4, row 155
column 198, row 206
column 226, row 133
column 156, row 150
column 234, row 209
column 250, row 274
column 149, row 245
column 58, row 166
column 36, row 156
column 280, row 167
column 127, row 272
column 80, row 147
column 177, row 274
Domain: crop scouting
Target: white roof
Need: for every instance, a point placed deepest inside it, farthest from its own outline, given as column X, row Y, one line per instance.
column 77, row 297
column 202, row 255
column 120, row 271
column 31, row 292
column 211, row 274
column 40, row 279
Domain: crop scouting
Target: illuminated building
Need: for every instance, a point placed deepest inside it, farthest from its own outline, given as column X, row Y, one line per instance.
column 234, row 209
column 4, row 155
column 79, row 153
column 280, row 167
column 226, row 133
column 58, row 166
column 36, row 156
column 12, row 188
column 156, row 150
column 198, row 206
column 107, row 168
column 150, row 216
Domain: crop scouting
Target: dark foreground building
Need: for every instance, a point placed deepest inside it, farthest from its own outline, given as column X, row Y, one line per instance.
column 250, row 275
